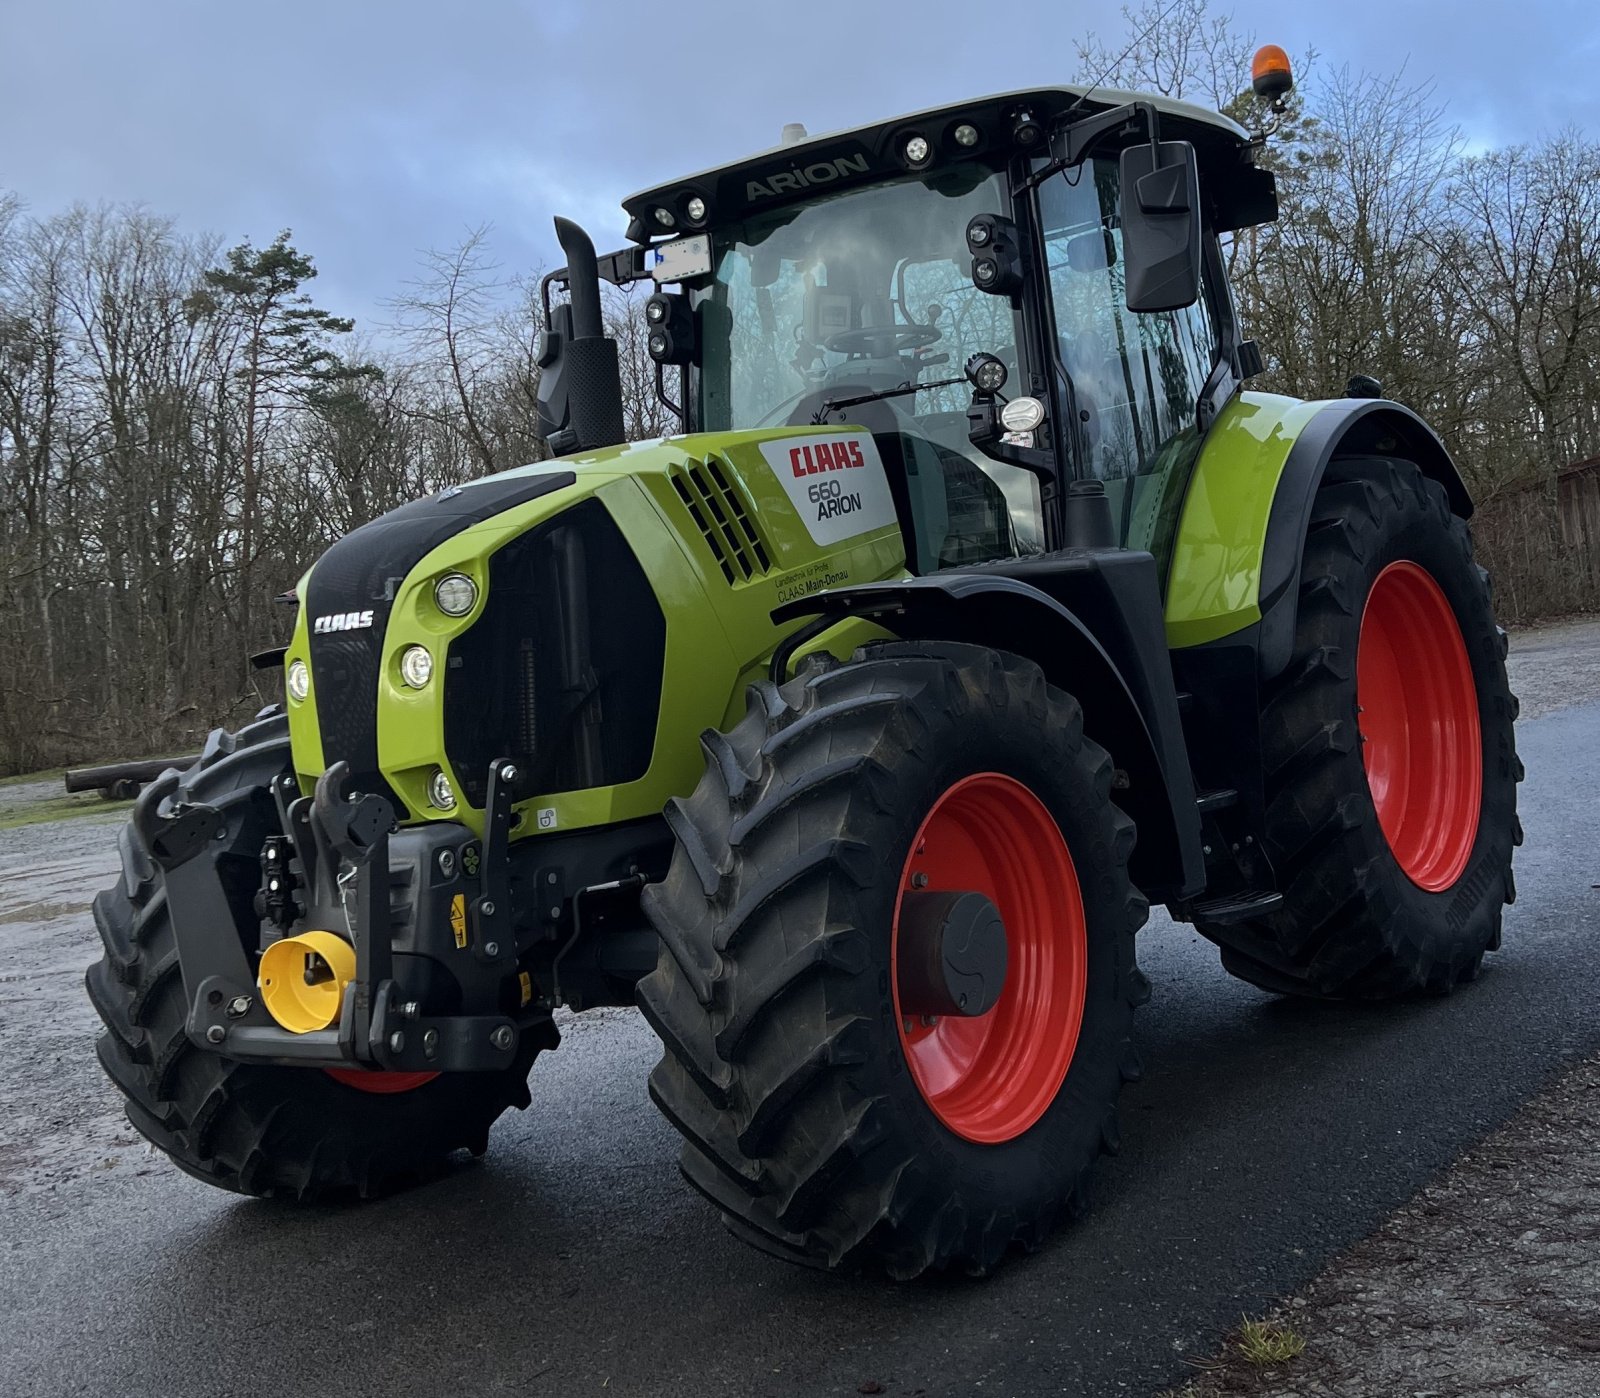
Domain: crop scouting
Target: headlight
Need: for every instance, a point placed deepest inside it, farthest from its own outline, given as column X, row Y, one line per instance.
column 440, row 793
column 416, row 666
column 299, row 681
column 455, row 594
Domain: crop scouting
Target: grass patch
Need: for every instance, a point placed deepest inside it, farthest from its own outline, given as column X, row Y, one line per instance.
column 1264, row 1344
column 54, row 774
column 13, row 815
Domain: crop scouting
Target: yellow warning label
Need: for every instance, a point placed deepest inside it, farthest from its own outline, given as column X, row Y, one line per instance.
column 527, row 987
column 458, row 919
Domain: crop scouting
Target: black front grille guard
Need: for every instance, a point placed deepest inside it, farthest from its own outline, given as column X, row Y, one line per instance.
column 336, row 839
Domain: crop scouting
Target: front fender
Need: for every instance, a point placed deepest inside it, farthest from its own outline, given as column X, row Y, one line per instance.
column 1129, row 703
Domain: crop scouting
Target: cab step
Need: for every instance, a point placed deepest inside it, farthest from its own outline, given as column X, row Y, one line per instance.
column 1218, row 800
column 1238, row 907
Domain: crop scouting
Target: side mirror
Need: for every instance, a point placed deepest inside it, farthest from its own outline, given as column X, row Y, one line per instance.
column 1161, row 226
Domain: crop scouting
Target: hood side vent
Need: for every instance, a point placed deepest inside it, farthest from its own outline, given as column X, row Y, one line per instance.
column 721, row 513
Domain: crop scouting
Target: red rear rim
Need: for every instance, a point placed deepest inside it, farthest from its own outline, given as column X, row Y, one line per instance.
column 369, row 1081
column 1418, row 711
column 990, row 1077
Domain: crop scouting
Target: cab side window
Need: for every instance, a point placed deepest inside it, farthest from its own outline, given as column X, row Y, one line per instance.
column 1136, row 379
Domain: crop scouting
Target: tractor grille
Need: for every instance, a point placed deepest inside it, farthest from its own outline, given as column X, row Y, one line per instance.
column 362, row 573
column 724, row 517
column 562, row 671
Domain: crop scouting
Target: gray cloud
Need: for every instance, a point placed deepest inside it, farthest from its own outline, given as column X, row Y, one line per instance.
column 376, row 129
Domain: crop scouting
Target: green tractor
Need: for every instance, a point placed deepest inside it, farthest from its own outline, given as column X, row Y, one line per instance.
column 851, row 732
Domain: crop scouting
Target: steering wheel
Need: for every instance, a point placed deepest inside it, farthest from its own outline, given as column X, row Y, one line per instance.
column 880, row 341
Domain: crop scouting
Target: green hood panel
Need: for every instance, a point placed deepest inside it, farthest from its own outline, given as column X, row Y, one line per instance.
column 724, row 526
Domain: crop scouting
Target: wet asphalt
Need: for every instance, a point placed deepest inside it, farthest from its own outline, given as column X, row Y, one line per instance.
column 1266, row 1136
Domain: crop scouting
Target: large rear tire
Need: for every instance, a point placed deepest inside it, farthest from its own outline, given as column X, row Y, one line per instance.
column 828, row 1123
column 255, row 1129
column 1390, row 754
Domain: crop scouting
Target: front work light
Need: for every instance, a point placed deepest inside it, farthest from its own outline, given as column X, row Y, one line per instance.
column 441, row 795
column 298, row 681
column 996, row 258
column 455, row 594
column 672, row 338
column 416, row 666
column 918, row 150
column 986, row 373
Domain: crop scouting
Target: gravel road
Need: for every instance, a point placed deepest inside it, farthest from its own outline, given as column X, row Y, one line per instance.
column 1266, row 1137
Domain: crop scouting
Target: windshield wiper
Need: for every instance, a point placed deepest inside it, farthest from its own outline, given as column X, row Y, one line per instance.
column 833, row 405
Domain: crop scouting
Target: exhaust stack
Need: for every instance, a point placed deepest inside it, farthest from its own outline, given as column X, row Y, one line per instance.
column 580, row 382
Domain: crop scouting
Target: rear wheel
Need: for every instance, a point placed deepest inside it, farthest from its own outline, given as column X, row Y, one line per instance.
column 251, row 1128
column 1390, row 754
column 873, row 845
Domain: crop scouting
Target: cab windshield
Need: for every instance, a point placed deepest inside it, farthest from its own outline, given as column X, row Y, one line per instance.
column 855, row 294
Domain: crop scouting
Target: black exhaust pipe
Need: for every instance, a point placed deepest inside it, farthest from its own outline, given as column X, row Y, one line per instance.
column 588, row 363
column 583, row 278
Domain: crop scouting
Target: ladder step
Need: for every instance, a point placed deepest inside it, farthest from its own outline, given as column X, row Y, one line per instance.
column 1218, row 800
column 1239, row 907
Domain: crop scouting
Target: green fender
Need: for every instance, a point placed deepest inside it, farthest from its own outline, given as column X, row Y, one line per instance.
column 1236, row 557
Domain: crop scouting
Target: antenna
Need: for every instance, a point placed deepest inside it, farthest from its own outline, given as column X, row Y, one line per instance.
column 1134, row 43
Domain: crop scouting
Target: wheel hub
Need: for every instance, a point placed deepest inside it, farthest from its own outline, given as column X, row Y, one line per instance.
column 989, row 906
column 952, row 954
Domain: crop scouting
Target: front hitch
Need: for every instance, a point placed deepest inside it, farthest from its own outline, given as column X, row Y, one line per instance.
column 342, row 845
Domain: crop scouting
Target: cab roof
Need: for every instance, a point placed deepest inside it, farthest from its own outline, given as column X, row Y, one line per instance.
column 862, row 154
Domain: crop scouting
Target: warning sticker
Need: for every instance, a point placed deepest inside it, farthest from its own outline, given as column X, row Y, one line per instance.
column 836, row 483
column 458, row 919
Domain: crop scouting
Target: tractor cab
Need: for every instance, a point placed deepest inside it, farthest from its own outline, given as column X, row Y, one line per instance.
column 1011, row 294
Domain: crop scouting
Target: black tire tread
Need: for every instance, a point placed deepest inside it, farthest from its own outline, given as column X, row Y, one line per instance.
column 761, row 1074
column 248, row 1128
column 1344, row 929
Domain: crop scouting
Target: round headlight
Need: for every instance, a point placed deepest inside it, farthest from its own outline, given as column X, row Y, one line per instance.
column 416, row 666
column 978, row 234
column 441, row 794
column 299, row 681
column 918, row 150
column 696, row 209
column 655, row 311
column 455, row 594
column 966, row 135
column 665, row 218
column 1022, row 414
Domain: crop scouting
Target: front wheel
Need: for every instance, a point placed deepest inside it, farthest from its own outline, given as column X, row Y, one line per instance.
column 897, row 972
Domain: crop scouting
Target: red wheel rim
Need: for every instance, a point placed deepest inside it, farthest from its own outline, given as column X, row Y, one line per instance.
column 990, row 1077
column 1420, row 740
column 367, row 1080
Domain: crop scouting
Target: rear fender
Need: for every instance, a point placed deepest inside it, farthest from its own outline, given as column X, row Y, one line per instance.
column 1236, row 557
column 1344, row 427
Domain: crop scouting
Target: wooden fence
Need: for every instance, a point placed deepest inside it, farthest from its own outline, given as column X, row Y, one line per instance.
column 1542, row 544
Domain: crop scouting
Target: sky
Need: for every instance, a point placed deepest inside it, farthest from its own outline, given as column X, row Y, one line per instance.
column 375, row 130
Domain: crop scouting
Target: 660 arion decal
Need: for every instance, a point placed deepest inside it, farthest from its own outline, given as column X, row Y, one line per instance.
column 835, row 482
